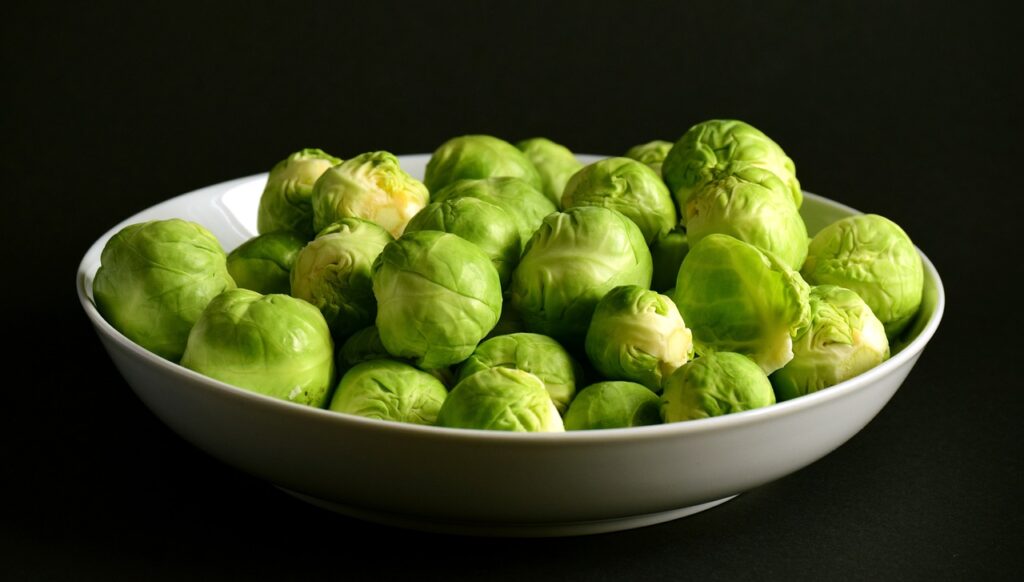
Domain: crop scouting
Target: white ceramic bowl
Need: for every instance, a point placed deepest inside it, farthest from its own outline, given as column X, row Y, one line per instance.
column 482, row 482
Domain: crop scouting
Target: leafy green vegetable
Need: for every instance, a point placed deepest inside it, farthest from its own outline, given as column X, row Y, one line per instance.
column 155, row 279
column 716, row 384
column 736, row 298
column 613, row 405
column 389, row 390
column 872, row 256
column 437, row 295
column 287, row 200
column 501, row 399
column 570, row 263
column 554, row 162
column 474, row 157
column 371, row 186
column 272, row 344
column 843, row 339
column 719, row 147
column 637, row 334
column 627, row 186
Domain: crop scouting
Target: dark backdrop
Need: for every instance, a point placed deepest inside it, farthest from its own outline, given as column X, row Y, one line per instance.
column 909, row 110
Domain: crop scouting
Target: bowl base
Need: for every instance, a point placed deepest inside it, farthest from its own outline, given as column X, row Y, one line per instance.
column 501, row 529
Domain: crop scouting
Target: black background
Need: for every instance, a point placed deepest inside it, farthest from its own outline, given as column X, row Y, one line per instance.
column 909, row 110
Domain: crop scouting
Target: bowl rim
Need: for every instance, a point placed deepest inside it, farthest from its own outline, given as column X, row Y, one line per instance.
column 587, row 437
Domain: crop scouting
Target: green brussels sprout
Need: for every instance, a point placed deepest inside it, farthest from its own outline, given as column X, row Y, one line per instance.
column 613, row 405
column 362, row 346
column 333, row 273
column 555, row 163
column 537, row 354
column 365, row 346
column 155, row 279
column 719, row 147
column 873, row 257
column 389, row 390
column 474, row 157
column 481, row 223
column 272, row 344
column 627, row 186
column 736, row 298
column 524, row 203
column 651, row 153
column 754, row 208
column 437, row 296
column 844, row 339
column 264, row 263
column 570, row 263
column 370, row 186
column 715, row 384
column 501, row 399
column 667, row 253
column 637, row 334
column 286, row 203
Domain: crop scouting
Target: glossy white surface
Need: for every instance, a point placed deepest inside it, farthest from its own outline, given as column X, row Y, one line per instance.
column 491, row 482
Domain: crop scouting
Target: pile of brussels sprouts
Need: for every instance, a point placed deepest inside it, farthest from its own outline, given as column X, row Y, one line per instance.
column 516, row 289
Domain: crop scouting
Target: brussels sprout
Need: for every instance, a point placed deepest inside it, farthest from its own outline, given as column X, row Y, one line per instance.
column 613, row 405
column 637, row 334
column 651, row 153
column 736, row 298
column 370, row 186
column 570, row 263
column 333, row 273
column 365, row 346
column 844, row 339
column 481, row 223
column 715, row 384
column 286, row 203
column 501, row 399
column 719, row 147
column 155, row 279
column 668, row 252
column 627, row 186
column 534, row 353
column 272, row 344
column 754, row 208
column 264, row 263
column 389, row 390
column 524, row 203
column 474, row 157
column 362, row 346
column 872, row 256
column 437, row 296
column 554, row 162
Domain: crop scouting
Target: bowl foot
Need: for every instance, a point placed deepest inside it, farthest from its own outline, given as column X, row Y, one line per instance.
column 501, row 529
